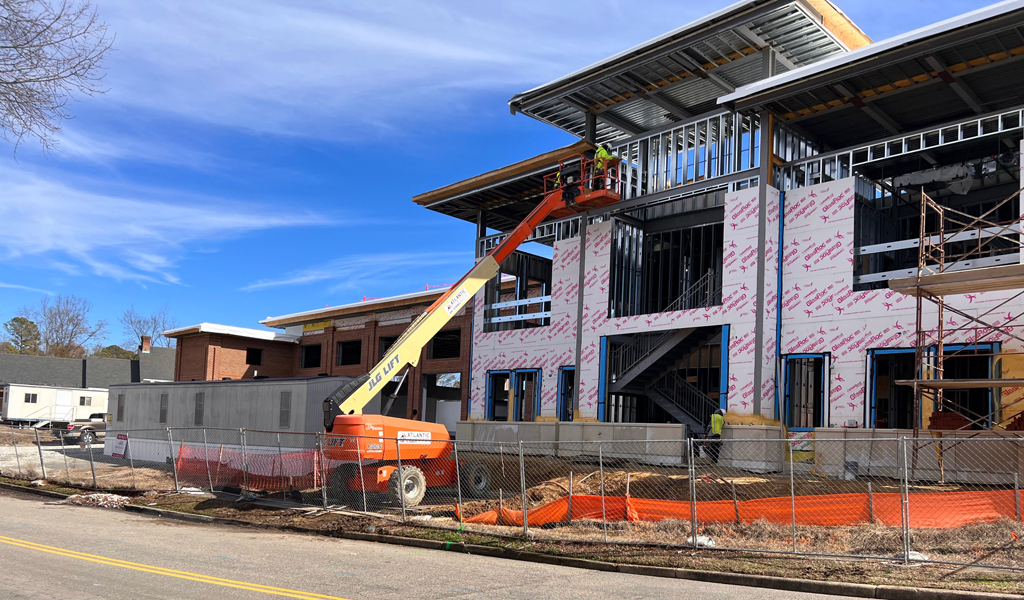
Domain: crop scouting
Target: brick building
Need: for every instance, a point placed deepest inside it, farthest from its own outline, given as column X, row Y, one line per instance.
column 340, row 341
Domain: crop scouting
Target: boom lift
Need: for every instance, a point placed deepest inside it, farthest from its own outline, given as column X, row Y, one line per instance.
column 425, row 459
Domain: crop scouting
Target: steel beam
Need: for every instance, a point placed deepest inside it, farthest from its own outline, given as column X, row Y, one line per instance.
column 959, row 86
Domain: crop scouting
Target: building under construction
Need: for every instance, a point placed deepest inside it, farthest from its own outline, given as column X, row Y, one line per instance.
column 781, row 178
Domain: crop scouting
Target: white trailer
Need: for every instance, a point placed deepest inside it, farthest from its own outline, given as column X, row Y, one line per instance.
column 34, row 404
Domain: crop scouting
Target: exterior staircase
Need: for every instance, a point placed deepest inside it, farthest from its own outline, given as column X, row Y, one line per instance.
column 682, row 400
column 647, row 365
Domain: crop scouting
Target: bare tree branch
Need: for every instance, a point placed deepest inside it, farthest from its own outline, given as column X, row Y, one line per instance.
column 49, row 50
column 135, row 325
column 64, row 325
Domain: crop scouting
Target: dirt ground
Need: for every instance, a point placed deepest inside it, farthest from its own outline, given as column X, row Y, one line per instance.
column 977, row 544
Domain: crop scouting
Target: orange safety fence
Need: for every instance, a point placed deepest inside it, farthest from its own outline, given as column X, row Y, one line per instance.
column 227, row 467
column 940, row 510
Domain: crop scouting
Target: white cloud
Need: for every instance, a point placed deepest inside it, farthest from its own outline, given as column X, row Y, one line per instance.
column 360, row 66
column 14, row 286
column 363, row 271
column 136, row 235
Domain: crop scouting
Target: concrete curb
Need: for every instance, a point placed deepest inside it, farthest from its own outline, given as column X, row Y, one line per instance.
column 835, row 588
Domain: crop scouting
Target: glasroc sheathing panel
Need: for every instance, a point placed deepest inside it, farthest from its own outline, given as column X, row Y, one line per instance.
column 820, row 311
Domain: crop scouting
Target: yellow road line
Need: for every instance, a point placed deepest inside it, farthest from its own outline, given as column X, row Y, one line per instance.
column 114, row 562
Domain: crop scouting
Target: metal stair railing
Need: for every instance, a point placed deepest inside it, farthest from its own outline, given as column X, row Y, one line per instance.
column 686, row 396
column 630, row 354
column 702, row 294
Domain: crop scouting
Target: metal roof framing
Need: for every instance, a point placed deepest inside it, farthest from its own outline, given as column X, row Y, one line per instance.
column 683, row 72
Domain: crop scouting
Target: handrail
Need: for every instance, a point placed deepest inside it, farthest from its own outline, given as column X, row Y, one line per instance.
column 701, row 294
column 630, row 354
column 686, row 396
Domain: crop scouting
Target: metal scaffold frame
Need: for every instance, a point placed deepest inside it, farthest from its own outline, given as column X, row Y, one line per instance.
column 944, row 257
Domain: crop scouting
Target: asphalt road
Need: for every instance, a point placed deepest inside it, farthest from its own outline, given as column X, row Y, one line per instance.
column 90, row 553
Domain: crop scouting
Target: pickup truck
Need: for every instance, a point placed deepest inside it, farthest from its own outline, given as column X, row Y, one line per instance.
column 82, row 431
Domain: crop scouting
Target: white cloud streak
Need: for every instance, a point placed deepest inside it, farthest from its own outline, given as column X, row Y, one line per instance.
column 137, row 235
column 14, row 286
column 365, row 271
column 331, row 70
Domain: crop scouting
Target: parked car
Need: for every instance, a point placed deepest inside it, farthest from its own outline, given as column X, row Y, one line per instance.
column 82, row 431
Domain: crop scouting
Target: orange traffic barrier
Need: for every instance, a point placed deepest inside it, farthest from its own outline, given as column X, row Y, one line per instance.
column 941, row 510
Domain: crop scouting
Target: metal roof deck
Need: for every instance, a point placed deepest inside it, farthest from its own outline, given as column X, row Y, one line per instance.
column 683, row 72
column 958, row 68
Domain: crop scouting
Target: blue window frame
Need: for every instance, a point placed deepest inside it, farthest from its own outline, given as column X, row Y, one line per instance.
column 527, row 393
column 497, row 408
column 806, row 390
column 566, row 392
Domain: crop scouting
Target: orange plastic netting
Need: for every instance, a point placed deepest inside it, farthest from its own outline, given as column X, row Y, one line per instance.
column 932, row 510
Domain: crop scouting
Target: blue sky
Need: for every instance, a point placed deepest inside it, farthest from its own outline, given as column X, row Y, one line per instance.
column 256, row 158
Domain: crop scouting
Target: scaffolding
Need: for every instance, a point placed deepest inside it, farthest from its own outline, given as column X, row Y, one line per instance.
column 950, row 245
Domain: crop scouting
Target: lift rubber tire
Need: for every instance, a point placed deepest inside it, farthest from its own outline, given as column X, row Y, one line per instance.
column 87, row 437
column 413, row 482
column 338, row 487
column 476, row 479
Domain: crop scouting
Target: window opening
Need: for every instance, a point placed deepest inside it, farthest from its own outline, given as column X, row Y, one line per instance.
column 519, row 296
column 350, row 352
column 499, row 392
column 446, row 344
column 309, row 356
column 806, row 383
column 894, row 404
column 385, row 344
column 566, row 393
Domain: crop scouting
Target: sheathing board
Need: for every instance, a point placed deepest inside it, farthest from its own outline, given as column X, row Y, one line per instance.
column 820, row 311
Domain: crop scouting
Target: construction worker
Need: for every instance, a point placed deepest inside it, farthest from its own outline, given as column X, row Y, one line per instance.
column 714, row 430
column 601, row 158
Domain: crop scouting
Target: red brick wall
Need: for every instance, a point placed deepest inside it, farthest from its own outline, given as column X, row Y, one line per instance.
column 212, row 356
column 215, row 356
column 190, row 357
column 231, row 353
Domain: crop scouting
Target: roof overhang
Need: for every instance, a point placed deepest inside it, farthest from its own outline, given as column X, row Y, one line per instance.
column 423, row 298
column 257, row 334
column 964, row 66
column 683, row 72
column 507, row 194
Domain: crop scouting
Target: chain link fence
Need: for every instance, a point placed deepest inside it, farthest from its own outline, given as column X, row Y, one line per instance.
column 937, row 499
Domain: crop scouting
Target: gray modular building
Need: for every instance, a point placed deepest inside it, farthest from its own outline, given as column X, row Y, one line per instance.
column 289, row 404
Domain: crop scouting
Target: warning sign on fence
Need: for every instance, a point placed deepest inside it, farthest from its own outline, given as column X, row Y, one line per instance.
column 120, row 445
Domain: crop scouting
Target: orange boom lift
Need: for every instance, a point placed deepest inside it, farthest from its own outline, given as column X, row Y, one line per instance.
column 425, row 458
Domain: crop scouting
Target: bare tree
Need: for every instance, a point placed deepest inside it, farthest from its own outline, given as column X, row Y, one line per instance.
column 65, row 327
column 135, row 325
column 49, row 49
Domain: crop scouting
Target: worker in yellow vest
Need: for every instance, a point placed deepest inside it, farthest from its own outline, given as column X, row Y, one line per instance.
column 715, row 434
column 601, row 158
